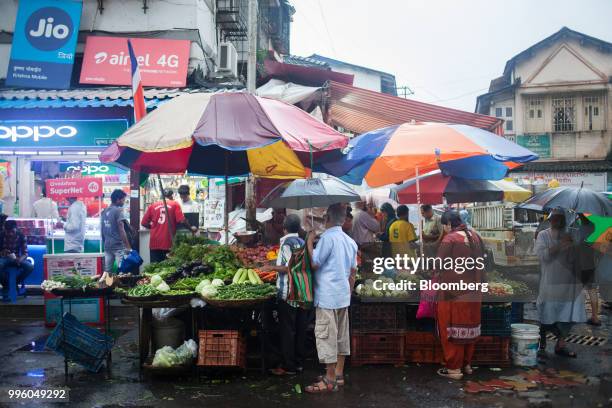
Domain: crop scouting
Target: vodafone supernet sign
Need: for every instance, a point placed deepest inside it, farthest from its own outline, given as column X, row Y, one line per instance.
column 58, row 189
column 162, row 62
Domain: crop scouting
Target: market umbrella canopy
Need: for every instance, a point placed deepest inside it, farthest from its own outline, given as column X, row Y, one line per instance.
column 225, row 134
column 435, row 188
column 393, row 154
column 310, row 193
column 577, row 199
column 512, row 191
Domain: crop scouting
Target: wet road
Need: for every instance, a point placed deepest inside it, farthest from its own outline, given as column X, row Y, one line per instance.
column 373, row 386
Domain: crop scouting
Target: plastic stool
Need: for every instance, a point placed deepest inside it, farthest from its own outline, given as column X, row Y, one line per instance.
column 10, row 294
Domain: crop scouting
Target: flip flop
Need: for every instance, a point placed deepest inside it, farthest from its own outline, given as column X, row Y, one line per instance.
column 316, row 388
column 453, row 376
column 468, row 369
column 564, row 352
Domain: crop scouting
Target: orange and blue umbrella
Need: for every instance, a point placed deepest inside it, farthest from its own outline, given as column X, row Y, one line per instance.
column 397, row 153
column 225, row 134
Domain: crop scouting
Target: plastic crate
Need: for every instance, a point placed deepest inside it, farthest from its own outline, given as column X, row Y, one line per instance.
column 377, row 348
column 378, row 317
column 516, row 315
column 422, row 347
column 495, row 319
column 80, row 343
column 222, row 348
column 492, row 350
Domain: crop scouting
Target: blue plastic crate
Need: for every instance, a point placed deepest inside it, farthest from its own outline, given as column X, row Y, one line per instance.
column 495, row 319
column 80, row 343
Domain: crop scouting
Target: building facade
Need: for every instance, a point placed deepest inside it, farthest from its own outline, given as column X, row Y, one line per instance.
column 555, row 100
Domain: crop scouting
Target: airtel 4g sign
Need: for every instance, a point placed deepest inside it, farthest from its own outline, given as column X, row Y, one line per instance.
column 61, row 133
column 44, row 43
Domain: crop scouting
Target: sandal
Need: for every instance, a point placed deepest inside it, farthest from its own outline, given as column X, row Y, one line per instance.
column 339, row 379
column 564, row 352
column 468, row 370
column 322, row 387
column 453, row 376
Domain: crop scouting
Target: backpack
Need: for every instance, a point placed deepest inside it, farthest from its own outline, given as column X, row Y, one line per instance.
column 300, row 278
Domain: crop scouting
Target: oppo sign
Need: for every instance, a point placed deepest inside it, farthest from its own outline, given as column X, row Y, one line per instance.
column 15, row 133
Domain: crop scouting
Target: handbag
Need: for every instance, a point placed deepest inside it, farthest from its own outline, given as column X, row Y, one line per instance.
column 300, row 289
column 427, row 303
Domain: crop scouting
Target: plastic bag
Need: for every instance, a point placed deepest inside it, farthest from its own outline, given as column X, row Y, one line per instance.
column 165, row 357
column 187, row 350
column 164, row 313
column 427, row 304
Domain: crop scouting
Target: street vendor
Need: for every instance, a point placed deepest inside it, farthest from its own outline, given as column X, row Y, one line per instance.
column 293, row 319
column 432, row 230
column 273, row 229
column 155, row 218
column 186, row 203
column 13, row 252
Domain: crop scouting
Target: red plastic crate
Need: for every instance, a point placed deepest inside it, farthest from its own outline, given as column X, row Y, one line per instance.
column 377, row 348
column 422, row 347
column 492, row 350
column 378, row 317
column 222, row 348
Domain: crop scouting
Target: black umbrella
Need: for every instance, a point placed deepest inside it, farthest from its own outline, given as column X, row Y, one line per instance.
column 577, row 199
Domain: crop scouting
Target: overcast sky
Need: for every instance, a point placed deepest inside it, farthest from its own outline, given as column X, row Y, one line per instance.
column 446, row 51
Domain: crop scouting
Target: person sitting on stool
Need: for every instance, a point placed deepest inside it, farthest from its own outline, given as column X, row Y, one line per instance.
column 13, row 252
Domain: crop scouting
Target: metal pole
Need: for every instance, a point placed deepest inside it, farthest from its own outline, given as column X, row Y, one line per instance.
column 249, row 185
column 418, row 193
column 226, row 207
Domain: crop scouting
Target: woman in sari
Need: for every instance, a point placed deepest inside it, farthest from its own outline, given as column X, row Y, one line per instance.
column 458, row 311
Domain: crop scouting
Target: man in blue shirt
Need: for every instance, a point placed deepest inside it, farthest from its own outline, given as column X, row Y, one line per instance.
column 334, row 262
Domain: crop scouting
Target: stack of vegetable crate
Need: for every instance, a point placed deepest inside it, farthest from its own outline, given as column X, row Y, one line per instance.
column 377, row 333
column 492, row 347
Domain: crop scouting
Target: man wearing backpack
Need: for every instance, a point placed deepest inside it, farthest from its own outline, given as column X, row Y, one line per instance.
column 293, row 319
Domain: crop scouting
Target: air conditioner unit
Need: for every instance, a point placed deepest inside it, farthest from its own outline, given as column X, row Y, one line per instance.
column 228, row 59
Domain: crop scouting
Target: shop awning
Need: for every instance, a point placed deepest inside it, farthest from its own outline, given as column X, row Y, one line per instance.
column 108, row 97
column 360, row 110
column 311, row 76
column 589, row 166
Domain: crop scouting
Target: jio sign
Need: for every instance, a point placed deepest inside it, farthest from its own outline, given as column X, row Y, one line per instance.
column 44, row 43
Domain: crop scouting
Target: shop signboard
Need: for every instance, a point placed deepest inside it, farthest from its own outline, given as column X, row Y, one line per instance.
column 58, row 189
column 44, row 43
column 162, row 63
column 539, row 144
column 90, row 169
column 60, row 133
column 593, row 181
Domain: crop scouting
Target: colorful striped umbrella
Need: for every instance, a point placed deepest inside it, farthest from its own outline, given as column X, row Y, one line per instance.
column 398, row 153
column 225, row 134
column 435, row 188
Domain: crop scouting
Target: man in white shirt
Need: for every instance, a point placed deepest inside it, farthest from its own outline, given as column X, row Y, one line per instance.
column 74, row 240
column 186, row 203
column 45, row 207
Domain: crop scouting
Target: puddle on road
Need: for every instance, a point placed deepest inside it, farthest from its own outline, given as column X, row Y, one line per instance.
column 38, row 373
column 35, row 346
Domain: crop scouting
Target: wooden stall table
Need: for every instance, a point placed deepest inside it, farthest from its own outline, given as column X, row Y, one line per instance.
column 145, row 320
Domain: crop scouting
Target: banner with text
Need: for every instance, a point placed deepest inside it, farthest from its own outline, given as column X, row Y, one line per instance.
column 44, row 43
column 58, row 189
column 162, row 62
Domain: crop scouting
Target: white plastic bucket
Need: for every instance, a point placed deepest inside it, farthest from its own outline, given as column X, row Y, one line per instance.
column 525, row 344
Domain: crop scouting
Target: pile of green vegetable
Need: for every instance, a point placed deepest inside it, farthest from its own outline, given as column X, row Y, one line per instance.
column 76, row 281
column 243, row 291
column 247, row 275
column 142, row 291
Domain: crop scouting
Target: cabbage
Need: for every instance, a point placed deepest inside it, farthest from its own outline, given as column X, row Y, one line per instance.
column 165, row 357
column 209, row 291
column 201, row 285
column 156, row 280
column 359, row 289
column 217, row 282
column 163, row 287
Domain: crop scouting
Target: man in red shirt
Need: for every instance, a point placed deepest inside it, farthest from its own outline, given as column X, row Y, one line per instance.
column 155, row 218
